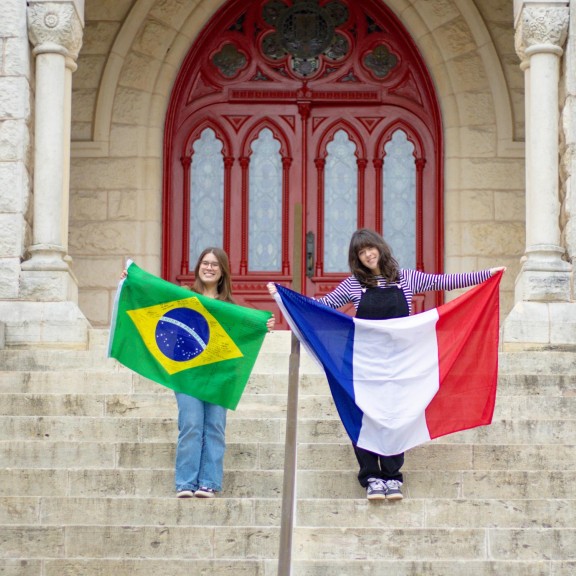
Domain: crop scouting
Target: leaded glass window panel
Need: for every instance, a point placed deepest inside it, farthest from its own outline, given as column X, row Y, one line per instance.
column 340, row 201
column 399, row 199
column 265, row 204
column 207, row 194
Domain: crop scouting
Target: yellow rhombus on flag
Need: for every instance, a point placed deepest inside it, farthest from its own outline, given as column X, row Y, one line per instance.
column 219, row 346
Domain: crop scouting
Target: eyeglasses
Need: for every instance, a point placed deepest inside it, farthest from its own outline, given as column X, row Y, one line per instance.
column 206, row 264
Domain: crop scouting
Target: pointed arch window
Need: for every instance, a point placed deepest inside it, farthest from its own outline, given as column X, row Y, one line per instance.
column 265, row 204
column 207, row 194
column 290, row 125
column 399, row 198
column 340, row 201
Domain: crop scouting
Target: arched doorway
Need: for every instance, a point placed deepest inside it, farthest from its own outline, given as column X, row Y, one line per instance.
column 291, row 124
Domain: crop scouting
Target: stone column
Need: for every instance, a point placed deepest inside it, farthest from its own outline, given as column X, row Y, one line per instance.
column 55, row 31
column 46, row 311
column 543, row 287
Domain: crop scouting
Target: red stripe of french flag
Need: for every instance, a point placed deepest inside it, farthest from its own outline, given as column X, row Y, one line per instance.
column 467, row 333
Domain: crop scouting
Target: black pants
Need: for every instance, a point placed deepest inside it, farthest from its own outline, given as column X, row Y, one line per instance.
column 376, row 466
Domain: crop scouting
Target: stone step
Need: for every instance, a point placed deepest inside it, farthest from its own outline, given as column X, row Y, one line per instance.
column 137, row 567
column 162, row 404
column 434, row 544
column 273, row 358
column 136, row 542
column 107, row 511
column 258, row 512
column 138, row 483
column 124, row 381
column 87, row 478
column 119, row 429
column 93, row 455
column 157, row 405
column 79, row 360
column 243, row 428
column 362, row 567
column 450, row 484
column 563, row 385
column 432, row 567
column 270, row 456
column 375, row 543
column 324, row 484
column 442, row 456
column 436, row 513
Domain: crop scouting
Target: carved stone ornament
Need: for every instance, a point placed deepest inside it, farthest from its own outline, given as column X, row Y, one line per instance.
column 305, row 31
column 229, row 60
column 544, row 26
column 51, row 23
column 380, row 61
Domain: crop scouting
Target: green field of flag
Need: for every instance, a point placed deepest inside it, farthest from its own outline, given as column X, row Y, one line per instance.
column 190, row 343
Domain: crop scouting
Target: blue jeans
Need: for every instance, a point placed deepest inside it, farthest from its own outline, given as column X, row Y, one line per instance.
column 201, row 444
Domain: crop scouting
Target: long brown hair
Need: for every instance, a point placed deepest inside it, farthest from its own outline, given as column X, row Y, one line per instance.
column 389, row 268
column 224, row 287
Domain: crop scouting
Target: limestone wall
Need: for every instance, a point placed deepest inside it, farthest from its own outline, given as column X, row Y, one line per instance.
column 15, row 153
column 130, row 57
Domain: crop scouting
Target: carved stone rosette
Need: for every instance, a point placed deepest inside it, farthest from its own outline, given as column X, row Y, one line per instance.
column 542, row 29
column 52, row 25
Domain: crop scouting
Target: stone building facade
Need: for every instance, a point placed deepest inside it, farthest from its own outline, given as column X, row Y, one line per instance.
column 85, row 87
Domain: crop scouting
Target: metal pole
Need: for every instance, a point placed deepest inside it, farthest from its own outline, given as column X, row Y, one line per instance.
column 290, row 442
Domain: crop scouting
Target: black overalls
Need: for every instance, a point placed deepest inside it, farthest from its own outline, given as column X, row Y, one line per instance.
column 380, row 304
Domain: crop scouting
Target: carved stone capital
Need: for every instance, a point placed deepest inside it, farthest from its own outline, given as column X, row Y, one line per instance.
column 542, row 29
column 54, row 24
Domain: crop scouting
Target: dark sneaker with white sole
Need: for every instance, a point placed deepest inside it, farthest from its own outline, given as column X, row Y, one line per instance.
column 393, row 491
column 376, row 489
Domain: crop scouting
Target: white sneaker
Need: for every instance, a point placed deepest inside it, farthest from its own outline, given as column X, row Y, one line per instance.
column 205, row 492
column 184, row 494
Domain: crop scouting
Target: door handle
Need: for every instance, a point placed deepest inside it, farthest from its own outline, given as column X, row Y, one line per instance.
column 310, row 254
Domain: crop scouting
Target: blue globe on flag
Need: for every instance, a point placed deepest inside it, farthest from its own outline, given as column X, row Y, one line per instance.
column 182, row 334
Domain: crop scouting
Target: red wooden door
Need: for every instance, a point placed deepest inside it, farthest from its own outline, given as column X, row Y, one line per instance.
column 290, row 125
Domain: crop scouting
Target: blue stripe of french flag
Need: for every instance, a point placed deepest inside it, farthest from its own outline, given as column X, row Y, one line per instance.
column 401, row 382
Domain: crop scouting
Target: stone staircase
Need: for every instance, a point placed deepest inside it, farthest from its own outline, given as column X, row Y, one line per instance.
column 86, row 481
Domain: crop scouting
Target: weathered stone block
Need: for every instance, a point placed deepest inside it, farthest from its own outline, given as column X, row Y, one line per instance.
column 98, row 38
column 48, row 286
column 494, row 239
column 154, row 39
column 96, row 306
column 14, row 97
column 492, row 174
column 83, row 104
column 14, row 143
column 11, row 235
column 104, row 173
column 32, row 542
column 139, row 542
column 44, row 324
column 89, row 73
column 477, row 205
column 454, row 37
column 131, row 106
column 13, row 21
column 88, row 205
column 15, row 56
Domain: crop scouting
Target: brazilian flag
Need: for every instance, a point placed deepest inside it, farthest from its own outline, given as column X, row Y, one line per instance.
column 190, row 343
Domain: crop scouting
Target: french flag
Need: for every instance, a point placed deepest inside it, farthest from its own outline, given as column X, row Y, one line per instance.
column 401, row 382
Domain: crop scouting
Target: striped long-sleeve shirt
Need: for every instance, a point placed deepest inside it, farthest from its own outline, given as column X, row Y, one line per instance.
column 411, row 282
